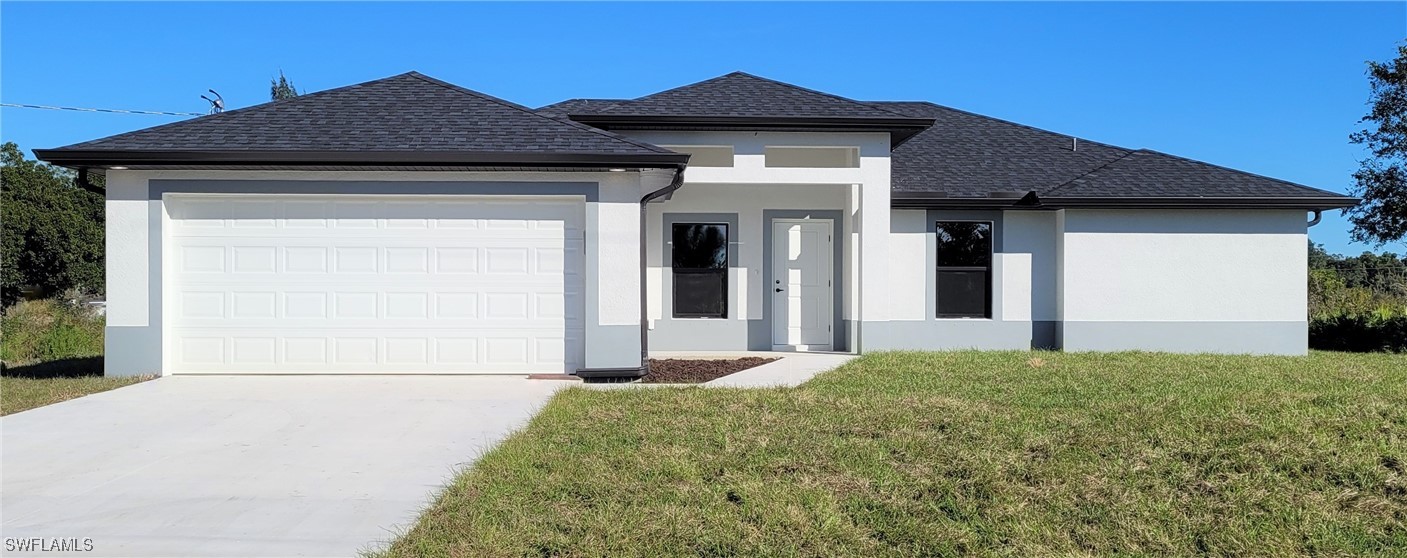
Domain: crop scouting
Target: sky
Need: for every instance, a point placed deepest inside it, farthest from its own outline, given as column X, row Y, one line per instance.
column 1269, row 88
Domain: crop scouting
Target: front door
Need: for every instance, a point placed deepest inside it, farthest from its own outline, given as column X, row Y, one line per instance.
column 801, row 288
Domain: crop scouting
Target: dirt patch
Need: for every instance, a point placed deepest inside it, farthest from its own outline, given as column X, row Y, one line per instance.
column 697, row 371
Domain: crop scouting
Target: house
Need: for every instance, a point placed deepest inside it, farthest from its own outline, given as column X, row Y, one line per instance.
column 409, row 225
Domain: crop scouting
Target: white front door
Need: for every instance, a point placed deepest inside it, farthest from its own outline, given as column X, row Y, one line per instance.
column 801, row 287
column 373, row 284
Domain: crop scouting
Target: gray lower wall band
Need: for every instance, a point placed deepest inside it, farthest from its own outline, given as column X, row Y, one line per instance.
column 945, row 335
column 131, row 350
column 612, row 346
column 705, row 334
column 1273, row 338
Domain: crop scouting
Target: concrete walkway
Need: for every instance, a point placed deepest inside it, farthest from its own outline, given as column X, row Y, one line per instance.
column 792, row 370
column 250, row 466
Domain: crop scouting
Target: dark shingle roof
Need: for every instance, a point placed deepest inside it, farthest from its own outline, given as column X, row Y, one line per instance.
column 965, row 154
column 415, row 119
column 407, row 112
column 970, row 155
column 742, row 95
column 1146, row 173
column 570, row 106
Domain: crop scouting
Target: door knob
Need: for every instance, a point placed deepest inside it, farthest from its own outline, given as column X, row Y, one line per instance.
column 779, row 290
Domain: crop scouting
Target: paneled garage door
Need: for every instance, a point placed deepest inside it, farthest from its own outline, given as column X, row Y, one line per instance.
column 346, row 284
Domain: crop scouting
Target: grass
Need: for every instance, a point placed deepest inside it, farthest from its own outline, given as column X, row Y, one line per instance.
column 35, row 331
column 23, row 394
column 52, row 352
column 964, row 453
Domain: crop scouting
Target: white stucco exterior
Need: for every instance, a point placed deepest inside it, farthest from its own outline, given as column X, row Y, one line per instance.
column 1174, row 280
column 1186, row 280
column 1075, row 279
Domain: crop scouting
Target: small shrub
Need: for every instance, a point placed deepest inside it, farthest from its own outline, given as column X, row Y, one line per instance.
column 1381, row 330
column 48, row 330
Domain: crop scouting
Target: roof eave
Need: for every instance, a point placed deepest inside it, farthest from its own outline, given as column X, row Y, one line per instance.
column 86, row 158
column 1308, row 203
column 899, row 128
column 921, row 200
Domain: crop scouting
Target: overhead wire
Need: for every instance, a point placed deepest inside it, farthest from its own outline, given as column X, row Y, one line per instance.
column 117, row 111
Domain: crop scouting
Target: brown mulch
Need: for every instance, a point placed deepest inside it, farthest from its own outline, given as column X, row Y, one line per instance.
column 691, row 371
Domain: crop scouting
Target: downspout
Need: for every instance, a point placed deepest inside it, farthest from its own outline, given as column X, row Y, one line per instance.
column 644, row 368
column 1318, row 214
column 669, row 189
column 86, row 185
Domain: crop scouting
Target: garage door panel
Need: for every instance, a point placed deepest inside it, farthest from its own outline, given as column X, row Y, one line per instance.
column 330, row 256
column 266, row 351
column 307, row 212
column 196, row 308
column 368, row 286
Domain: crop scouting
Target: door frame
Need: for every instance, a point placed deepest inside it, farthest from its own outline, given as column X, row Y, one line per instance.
column 829, row 271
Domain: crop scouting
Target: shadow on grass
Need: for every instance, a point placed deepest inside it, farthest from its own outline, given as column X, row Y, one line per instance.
column 62, row 368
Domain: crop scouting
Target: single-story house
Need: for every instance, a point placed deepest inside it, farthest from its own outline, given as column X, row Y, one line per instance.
column 409, row 225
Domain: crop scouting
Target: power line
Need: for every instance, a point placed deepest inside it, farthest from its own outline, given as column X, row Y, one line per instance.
column 119, row 111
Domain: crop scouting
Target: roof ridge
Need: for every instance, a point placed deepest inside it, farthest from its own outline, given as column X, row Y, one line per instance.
column 516, row 106
column 586, row 99
column 701, row 82
column 624, row 104
column 1013, row 123
column 822, row 93
column 222, row 114
column 1051, row 192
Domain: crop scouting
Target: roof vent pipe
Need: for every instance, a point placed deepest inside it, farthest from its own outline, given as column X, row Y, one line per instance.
column 1074, row 144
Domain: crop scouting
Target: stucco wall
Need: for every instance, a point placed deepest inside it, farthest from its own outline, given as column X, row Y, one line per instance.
column 1022, row 269
column 1169, row 280
column 1185, row 281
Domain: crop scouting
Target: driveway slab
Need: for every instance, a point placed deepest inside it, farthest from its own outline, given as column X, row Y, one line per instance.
column 250, row 466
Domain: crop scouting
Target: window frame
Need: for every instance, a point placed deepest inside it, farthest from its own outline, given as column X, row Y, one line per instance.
column 724, row 271
column 938, row 269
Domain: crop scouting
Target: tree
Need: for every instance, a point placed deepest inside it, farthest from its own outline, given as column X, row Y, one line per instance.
column 1381, row 179
column 52, row 233
column 281, row 88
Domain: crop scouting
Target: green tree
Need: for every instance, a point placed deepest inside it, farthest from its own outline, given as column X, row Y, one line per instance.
column 1381, row 179
column 281, row 88
column 51, row 235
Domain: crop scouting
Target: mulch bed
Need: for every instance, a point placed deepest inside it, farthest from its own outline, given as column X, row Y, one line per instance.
column 692, row 371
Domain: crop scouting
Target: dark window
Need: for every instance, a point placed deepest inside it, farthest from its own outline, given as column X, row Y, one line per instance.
column 700, row 262
column 964, row 278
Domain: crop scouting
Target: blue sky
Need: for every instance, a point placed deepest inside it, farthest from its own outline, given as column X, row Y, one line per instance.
column 1271, row 88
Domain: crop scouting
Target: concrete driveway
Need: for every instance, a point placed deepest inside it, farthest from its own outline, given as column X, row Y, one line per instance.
column 250, row 466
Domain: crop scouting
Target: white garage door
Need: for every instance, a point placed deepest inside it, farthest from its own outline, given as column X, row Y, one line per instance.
column 352, row 284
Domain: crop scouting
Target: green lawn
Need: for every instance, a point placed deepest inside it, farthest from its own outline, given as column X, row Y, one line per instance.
column 22, row 394
column 968, row 453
